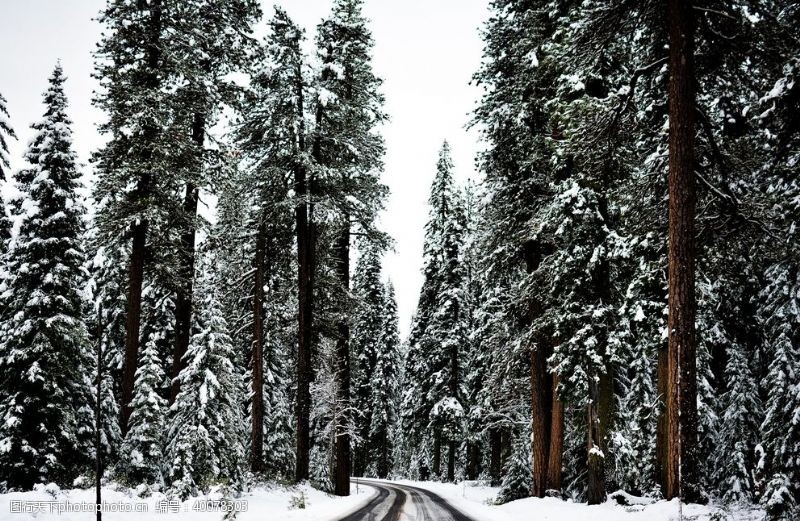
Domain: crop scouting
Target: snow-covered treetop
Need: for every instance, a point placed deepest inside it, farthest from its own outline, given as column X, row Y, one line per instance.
column 5, row 130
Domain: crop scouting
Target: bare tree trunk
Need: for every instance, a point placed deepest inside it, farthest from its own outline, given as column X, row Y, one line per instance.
column 185, row 293
column 304, row 224
column 540, row 421
column 495, row 462
column 451, row 461
column 682, row 379
column 455, row 372
column 601, row 394
column 473, row 459
column 556, row 452
column 342, row 443
column 132, row 319
column 601, row 380
column 98, row 416
column 257, row 353
column 139, row 232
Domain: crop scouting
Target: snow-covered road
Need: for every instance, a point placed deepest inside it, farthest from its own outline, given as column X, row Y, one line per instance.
column 398, row 502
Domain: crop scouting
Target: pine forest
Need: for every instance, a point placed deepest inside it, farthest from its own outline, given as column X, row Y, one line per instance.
column 609, row 311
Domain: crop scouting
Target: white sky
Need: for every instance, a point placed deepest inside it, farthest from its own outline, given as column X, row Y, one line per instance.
column 425, row 50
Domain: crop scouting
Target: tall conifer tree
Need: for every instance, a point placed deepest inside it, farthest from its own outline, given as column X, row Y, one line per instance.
column 44, row 388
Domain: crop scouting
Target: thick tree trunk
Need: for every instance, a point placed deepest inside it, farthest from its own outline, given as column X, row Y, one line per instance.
column 343, row 423
column 601, row 393
column 455, row 376
column 495, row 458
column 139, row 232
column 132, row 319
column 473, row 459
column 451, row 461
column 556, row 452
column 257, row 354
column 547, row 411
column 304, row 229
column 596, row 468
column 98, row 416
column 541, row 416
column 601, row 382
column 682, row 378
column 185, row 293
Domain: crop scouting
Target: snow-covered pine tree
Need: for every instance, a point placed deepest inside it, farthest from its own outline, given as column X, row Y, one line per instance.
column 6, row 132
column 779, row 300
column 780, row 431
column 141, row 457
column 349, row 151
column 432, row 408
column 272, row 136
column 137, row 182
column 206, row 424
column 212, row 41
column 45, row 391
column 737, row 437
column 520, row 72
column 517, row 472
column 384, row 389
column 366, row 348
column 476, row 357
column 106, row 332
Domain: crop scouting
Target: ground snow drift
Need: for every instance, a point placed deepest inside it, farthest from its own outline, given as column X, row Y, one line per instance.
column 278, row 503
column 274, row 503
column 477, row 502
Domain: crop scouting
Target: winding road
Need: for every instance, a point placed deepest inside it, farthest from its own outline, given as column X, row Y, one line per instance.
column 396, row 502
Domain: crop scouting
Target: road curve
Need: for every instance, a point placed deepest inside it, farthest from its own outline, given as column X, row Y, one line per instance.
column 396, row 502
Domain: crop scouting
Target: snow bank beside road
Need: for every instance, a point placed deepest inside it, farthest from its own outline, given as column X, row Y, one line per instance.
column 476, row 501
column 276, row 503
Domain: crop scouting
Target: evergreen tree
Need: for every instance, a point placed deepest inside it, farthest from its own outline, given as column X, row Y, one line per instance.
column 738, row 431
column 520, row 73
column 6, row 131
column 383, row 428
column 517, row 473
column 779, row 299
column 780, row 430
column 433, row 411
column 348, row 150
column 136, row 183
column 367, row 347
column 205, row 438
column 271, row 134
column 44, row 388
column 141, row 457
column 212, row 40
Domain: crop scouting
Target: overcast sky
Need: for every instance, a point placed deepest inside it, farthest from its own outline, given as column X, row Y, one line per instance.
column 425, row 50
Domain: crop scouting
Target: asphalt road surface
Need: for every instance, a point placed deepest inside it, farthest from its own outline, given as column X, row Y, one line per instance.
column 396, row 502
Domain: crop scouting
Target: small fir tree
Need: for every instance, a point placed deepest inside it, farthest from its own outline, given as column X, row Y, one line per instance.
column 206, row 424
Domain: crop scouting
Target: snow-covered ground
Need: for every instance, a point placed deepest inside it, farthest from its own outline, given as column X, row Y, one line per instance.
column 263, row 504
column 278, row 503
column 476, row 501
